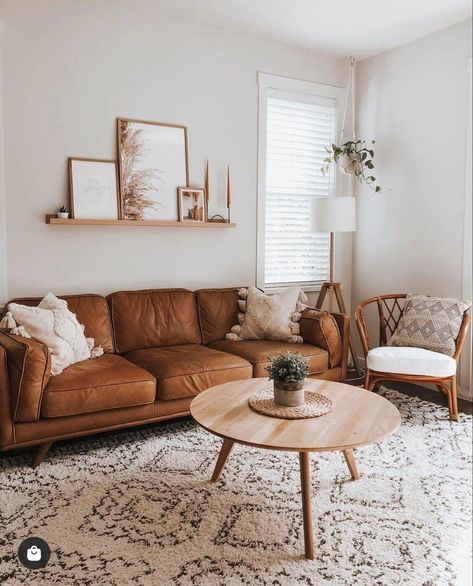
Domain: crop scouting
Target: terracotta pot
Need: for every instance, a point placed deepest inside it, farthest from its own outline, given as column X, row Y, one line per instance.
column 289, row 394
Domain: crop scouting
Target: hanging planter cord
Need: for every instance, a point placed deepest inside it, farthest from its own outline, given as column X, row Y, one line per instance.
column 351, row 88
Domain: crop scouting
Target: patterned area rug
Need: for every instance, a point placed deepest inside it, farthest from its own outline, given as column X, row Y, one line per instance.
column 137, row 508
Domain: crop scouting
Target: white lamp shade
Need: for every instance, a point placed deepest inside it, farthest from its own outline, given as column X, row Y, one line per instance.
column 333, row 214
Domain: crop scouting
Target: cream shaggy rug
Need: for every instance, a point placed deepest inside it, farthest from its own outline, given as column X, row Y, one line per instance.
column 138, row 508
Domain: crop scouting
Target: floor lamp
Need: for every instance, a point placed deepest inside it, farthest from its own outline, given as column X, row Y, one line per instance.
column 334, row 214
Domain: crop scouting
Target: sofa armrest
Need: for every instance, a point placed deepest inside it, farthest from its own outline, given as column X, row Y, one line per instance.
column 329, row 331
column 343, row 322
column 28, row 364
column 6, row 422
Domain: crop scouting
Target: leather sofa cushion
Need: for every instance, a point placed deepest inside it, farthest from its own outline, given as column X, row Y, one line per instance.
column 258, row 351
column 91, row 311
column 320, row 329
column 185, row 371
column 218, row 312
column 98, row 384
column 154, row 318
column 29, row 370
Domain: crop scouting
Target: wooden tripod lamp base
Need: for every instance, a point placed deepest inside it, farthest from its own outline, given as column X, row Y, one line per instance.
column 332, row 287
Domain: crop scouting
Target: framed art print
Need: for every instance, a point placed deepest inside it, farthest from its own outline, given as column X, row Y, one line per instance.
column 93, row 189
column 191, row 203
column 153, row 164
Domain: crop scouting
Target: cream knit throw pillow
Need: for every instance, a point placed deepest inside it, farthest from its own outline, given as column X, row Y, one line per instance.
column 56, row 327
column 269, row 317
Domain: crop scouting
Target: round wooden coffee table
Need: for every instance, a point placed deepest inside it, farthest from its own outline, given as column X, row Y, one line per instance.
column 358, row 417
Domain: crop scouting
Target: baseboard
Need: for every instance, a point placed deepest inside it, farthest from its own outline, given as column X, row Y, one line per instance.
column 462, row 393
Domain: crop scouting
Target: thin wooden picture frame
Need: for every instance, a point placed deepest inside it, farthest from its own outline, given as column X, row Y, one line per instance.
column 72, row 192
column 180, row 204
column 124, row 212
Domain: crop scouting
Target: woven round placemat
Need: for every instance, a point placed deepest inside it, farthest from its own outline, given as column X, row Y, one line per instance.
column 314, row 406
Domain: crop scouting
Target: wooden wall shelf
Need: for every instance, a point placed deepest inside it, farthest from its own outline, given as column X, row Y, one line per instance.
column 51, row 219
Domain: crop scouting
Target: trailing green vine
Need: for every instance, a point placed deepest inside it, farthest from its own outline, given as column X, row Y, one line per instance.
column 353, row 158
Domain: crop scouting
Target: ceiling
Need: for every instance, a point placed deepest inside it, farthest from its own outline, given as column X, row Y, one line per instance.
column 341, row 27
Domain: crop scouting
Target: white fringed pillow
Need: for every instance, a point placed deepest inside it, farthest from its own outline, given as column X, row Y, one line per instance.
column 269, row 317
column 56, row 327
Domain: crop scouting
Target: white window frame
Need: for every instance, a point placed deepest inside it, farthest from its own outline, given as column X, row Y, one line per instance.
column 466, row 360
column 266, row 83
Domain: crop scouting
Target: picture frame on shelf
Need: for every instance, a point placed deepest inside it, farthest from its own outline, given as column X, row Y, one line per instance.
column 153, row 163
column 93, row 188
column 191, row 204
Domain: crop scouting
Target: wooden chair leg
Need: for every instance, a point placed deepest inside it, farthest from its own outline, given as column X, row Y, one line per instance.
column 40, row 454
column 367, row 379
column 452, row 400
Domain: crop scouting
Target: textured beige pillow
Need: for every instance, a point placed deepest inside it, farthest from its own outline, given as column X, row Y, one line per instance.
column 56, row 327
column 269, row 317
column 431, row 323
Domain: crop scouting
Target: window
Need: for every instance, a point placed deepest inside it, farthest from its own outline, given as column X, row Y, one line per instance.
column 297, row 121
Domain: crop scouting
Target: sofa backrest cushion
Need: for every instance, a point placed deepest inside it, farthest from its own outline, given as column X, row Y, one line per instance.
column 218, row 312
column 152, row 318
column 91, row 311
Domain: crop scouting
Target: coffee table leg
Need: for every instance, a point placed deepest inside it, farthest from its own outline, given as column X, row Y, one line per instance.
column 304, row 462
column 350, row 460
column 222, row 458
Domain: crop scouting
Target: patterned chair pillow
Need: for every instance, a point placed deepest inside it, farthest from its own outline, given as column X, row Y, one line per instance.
column 432, row 323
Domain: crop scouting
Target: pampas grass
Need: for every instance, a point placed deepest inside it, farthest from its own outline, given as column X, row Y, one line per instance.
column 136, row 183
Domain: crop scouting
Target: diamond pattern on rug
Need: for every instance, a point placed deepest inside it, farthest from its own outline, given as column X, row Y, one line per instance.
column 137, row 507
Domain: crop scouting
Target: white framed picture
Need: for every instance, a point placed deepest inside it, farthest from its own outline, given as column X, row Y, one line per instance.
column 153, row 164
column 191, row 203
column 94, row 189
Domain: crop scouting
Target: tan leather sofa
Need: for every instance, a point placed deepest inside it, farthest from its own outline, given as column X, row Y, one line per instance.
column 161, row 348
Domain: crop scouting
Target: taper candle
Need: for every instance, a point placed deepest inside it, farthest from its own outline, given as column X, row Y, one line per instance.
column 229, row 196
column 206, row 185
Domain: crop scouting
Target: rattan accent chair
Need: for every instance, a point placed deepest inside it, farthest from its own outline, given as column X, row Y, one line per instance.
column 424, row 365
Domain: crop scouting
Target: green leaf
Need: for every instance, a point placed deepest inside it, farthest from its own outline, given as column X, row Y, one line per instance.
column 378, row 188
column 369, row 164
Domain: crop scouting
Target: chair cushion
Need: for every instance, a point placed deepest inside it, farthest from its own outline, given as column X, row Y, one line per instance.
column 107, row 382
column 185, row 371
column 258, row 352
column 416, row 361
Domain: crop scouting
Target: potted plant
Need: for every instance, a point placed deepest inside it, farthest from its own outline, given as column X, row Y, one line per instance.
column 62, row 213
column 288, row 371
column 353, row 158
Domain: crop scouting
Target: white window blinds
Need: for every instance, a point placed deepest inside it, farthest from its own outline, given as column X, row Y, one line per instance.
column 297, row 130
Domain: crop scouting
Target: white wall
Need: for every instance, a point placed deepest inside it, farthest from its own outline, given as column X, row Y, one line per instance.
column 69, row 70
column 413, row 101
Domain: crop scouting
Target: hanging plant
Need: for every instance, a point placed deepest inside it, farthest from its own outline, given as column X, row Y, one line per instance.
column 353, row 158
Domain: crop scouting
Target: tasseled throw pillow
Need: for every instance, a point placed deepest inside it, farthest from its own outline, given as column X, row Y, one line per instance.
column 269, row 317
column 56, row 327
column 431, row 323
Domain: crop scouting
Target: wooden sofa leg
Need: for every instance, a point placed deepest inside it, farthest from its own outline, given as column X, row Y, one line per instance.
column 40, row 454
column 453, row 401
